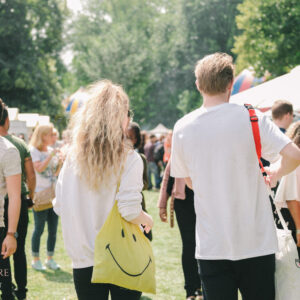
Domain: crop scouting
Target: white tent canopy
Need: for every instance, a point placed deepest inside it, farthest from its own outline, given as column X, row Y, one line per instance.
column 160, row 129
column 13, row 113
column 285, row 87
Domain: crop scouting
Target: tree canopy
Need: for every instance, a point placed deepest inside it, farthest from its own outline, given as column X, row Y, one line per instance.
column 151, row 47
column 148, row 46
column 270, row 35
column 31, row 41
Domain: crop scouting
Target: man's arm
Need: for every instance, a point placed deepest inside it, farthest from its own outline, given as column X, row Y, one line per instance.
column 30, row 176
column 13, row 184
column 289, row 162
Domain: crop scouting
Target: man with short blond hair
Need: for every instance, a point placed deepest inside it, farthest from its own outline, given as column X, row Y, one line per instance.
column 214, row 75
column 213, row 149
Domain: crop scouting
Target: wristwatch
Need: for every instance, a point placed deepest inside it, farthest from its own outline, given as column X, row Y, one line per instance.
column 14, row 234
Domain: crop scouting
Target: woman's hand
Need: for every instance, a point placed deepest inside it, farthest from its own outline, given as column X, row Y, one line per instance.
column 145, row 220
column 163, row 214
column 147, row 223
column 54, row 152
column 41, row 166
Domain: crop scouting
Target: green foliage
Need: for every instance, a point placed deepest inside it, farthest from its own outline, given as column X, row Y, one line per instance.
column 270, row 38
column 207, row 26
column 210, row 26
column 151, row 47
column 123, row 41
column 31, row 40
column 188, row 101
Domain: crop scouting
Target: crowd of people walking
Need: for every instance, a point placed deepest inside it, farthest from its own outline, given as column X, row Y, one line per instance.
column 208, row 166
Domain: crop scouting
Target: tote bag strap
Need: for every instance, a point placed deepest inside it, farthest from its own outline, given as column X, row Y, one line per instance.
column 256, row 136
column 119, row 180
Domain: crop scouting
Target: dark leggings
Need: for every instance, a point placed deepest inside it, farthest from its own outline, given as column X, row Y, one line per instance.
column 186, row 219
column 99, row 291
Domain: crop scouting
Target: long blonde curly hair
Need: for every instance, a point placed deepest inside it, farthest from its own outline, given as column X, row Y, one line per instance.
column 98, row 147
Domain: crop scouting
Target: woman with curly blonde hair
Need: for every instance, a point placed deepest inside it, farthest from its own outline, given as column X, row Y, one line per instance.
column 99, row 157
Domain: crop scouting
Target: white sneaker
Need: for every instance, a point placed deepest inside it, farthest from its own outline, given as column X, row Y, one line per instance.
column 37, row 265
column 51, row 264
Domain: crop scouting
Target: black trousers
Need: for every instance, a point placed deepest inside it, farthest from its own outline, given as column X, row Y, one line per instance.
column 99, row 291
column 20, row 263
column 5, row 272
column 254, row 277
column 186, row 219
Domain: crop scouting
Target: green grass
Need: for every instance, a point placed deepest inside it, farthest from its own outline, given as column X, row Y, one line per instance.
column 58, row 285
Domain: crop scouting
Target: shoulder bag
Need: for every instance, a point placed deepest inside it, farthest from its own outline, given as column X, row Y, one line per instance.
column 123, row 255
column 43, row 200
column 287, row 273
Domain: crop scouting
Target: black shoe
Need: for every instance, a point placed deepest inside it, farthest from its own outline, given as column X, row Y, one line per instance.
column 19, row 295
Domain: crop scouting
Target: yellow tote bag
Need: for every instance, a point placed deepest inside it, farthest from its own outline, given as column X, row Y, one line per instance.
column 123, row 255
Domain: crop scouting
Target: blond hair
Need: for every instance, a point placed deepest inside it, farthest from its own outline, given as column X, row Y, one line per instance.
column 214, row 73
column 293, row 133
column 37, row 137
column 98, row 142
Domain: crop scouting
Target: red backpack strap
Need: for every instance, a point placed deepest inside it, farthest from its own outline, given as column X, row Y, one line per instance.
column 256, row 135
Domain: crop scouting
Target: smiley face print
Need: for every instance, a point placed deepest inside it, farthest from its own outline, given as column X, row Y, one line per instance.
column 134, row 240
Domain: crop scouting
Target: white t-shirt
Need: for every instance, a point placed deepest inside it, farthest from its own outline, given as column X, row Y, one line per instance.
column 83, row 211
column 288, row 188
column 10, row 164
column 215, row 148
column 46, row 178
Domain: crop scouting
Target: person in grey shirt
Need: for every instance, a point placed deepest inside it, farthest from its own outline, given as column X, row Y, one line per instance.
column 10, row 183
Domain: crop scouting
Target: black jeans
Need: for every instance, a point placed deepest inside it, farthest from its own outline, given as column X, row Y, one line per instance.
column 20, row 263
column 186, row 219
column 99, row 291
column 254, row 277
column 5, row 272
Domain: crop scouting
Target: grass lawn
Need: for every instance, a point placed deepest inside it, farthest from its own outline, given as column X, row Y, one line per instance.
column 58, row 285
